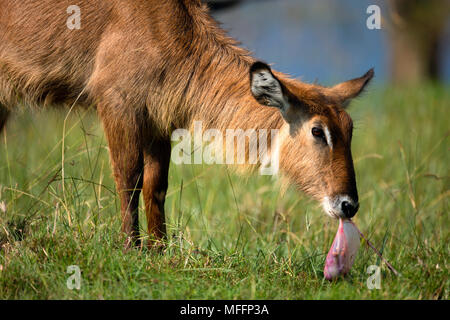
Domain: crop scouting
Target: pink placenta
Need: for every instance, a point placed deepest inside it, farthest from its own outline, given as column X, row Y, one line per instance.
column 343, row 251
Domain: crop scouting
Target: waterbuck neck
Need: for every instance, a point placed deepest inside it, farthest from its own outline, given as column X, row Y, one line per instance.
column 206, row 77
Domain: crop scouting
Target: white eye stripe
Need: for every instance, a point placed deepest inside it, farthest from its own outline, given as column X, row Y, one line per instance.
column 328, row 136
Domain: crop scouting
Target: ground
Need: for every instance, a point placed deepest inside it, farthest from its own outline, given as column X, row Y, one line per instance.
column 230, row 237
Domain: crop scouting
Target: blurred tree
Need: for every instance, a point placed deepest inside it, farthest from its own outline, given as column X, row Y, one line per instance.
column 416, row 32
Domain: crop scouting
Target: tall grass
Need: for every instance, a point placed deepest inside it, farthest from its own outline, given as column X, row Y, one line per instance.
column 229, row 237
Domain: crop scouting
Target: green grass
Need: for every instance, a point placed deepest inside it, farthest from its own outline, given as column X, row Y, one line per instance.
column 229, row 238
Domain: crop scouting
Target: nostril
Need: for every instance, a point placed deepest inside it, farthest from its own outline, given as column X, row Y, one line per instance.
column 348, row 209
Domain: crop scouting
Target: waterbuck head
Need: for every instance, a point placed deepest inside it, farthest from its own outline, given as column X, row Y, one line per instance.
column 315, row 141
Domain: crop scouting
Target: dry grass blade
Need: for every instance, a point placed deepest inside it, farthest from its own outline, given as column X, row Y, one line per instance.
column 377, row 252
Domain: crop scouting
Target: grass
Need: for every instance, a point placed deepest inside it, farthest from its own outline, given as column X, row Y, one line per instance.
column 230, row 237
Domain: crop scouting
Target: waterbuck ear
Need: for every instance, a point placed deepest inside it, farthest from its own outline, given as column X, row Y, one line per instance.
column 344, row 92
column 266, row 88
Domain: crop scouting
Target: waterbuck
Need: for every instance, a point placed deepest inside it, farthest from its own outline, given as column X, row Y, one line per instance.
column 152, row 66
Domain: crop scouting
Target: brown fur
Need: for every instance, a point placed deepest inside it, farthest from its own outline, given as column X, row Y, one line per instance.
column 151, row 66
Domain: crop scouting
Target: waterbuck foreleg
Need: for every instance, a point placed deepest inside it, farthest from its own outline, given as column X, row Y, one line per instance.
column 3, row 116
column 124, row 138
column 156, row 169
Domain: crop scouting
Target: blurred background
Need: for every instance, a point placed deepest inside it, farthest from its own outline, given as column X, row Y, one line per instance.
column 250, row 237
column 329, row 41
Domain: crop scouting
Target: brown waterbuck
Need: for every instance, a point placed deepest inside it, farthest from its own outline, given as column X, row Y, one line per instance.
column 153, row 66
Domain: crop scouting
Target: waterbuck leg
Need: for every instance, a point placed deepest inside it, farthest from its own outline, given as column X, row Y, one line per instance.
column 124, row 138
column 3, row 116
column 156, row 170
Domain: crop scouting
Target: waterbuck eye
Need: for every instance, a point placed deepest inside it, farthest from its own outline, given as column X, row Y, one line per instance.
column 318, row 133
